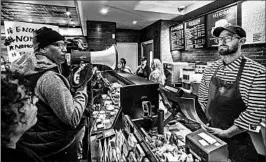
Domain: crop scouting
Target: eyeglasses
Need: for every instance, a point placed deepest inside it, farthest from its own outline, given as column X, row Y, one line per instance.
column 28, row 100
column 60, row 45
column 225, row 39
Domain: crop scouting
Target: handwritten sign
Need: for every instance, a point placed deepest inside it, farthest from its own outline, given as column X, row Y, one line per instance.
column 253, row 21
column 20, row 35
column 177, row 37
column 195, row 33
column 227, row 16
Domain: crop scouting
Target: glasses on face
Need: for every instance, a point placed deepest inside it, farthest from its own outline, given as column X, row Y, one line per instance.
column 28, row 100
column 60, row 45
column 225, row 39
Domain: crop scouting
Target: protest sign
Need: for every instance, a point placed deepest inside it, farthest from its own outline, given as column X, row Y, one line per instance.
column 20, row 36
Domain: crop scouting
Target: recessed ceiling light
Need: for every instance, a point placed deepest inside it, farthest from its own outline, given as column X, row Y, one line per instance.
column 104, row 11
column 68, row 13
column 30, row 20
column 134, row 22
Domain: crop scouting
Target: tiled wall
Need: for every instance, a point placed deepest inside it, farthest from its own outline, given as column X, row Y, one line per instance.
column 153, row 32
column 100, row 35
column 166, row 55
column 127, row 35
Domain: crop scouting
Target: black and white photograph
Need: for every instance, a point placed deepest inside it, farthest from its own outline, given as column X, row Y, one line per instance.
column 133, row 81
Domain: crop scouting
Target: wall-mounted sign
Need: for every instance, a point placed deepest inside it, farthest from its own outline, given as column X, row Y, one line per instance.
column 253, row 21
column 220, row 18
column 195, row 33
column 177, row 37
column 20, row 35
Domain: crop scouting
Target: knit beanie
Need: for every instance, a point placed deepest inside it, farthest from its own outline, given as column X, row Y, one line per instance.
column 44, row 37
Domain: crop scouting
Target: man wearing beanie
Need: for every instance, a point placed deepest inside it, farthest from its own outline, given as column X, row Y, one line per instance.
column 59, row 114
column 232, row 94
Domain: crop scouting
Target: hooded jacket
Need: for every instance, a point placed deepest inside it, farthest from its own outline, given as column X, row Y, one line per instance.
column 59, row 114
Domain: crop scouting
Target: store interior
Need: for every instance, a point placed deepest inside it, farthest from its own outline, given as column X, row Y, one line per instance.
column 131, row 118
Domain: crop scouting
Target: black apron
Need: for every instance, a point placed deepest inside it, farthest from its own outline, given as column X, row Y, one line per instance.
column 224, row 106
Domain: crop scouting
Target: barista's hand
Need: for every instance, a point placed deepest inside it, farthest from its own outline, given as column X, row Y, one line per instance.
column 216, row 131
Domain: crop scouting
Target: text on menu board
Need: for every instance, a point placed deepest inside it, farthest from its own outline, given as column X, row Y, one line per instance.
column 227, row 16
column 253, row 21
column 177, row 37
column 195, row 33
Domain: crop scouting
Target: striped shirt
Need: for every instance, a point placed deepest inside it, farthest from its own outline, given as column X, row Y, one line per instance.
column 252, row 88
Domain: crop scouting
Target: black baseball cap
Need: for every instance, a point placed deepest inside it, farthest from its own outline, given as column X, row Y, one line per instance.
column 235, row 29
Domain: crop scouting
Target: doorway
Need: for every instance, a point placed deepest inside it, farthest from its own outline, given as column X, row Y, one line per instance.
column 147, row 51
column 129, row 51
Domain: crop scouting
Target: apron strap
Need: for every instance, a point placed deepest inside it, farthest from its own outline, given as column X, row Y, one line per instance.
column 242, row 64
column 243, row 61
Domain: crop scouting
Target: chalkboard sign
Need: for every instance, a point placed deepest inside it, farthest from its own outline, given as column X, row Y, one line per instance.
column 195, row 33
column 253, row 21
column 220, row 18
column 177, row 37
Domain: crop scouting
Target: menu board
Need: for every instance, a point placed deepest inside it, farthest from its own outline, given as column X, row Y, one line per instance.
column 253, row 21
column 220, row 18
column 195, row 33
column 177, row 37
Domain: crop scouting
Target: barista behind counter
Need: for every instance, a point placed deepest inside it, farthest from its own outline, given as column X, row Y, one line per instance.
column 232, row 93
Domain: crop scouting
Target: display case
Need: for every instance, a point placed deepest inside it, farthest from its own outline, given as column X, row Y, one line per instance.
column 123, row 93
column 133, row 134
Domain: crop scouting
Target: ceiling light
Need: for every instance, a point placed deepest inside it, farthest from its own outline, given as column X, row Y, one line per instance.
column 68, row 13
column 134, row 22
column 30, row 20
column 104, row 11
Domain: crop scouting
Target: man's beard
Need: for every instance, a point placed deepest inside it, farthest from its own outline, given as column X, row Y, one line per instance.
column 226, row 51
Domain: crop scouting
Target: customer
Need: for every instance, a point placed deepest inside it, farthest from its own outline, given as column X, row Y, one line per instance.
column 122, row 66
column 157, row 74
column 232, row 93
column 143, row 70
column 56, row 135
column 18, row 114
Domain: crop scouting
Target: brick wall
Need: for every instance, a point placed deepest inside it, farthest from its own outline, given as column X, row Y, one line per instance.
column 257, row 52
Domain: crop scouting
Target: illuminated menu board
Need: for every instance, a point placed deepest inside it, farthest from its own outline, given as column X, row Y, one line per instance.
column 220, row 18
column 177, row 37
column 195, row 33
column 253, row 21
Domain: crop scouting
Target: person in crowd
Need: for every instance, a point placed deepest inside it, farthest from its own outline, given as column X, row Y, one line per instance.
column 122, row 66
column 232, row 94
column 157, row 74
column 143, row 69
column 18, row 114
column 59, row 131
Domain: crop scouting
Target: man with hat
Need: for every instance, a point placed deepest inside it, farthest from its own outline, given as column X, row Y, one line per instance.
column 232, row 94
column 143, row 70
column 59, row 113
